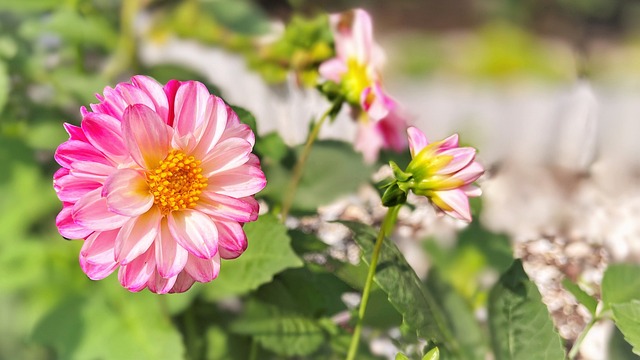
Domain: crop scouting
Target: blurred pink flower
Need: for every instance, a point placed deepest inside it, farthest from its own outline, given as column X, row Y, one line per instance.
column 443, row 172
column 356, row 68
column 158, row 181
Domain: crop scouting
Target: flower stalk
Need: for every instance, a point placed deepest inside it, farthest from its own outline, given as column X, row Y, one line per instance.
column 385, row 229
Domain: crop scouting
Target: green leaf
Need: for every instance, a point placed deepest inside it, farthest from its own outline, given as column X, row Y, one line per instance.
column 333, row 169
column 5, row 86
column 583, row 298
column 620, row 284
column 271, row 146
column 519, row 322
column 627, row 319
column 619, row 349
column 268, row 254
column 401, row 356
column 433, row 354
column 118, row 325
column 283, row 332
column 404, row 289
column 28, row 6
column 460, row 317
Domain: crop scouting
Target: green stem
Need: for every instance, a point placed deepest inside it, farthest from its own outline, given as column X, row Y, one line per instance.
column 299, row 167
column 576, row 346
column 253, row 352
column 386, row 228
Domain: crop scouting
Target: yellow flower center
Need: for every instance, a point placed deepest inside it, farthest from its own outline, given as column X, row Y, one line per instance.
column 355, row 80
column 176, row 182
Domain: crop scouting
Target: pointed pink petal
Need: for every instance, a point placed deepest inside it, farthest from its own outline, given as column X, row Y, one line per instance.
column 457, row 201
column 471, row 190
column 97, row 271
column 393, row 128
column 375, row 102
column 155, row 92
column 75, row 132
column 104, row 132
column 91, row 171
column 362, row 34
column 203, row 270
column 170, row 89
column 242, row 181
column 190, row 107
column 91, row 212
column 137, row 235
column 146, row 135
column 215, row 121
column 239, row 130
column 67, row 227
column 78, row 151
column 98, row 249
column 194, row 231
column 135, row 275
column 450, row 142
column 222, row 206
column 227, row 154
column 127, row 193
column 70, row 188
column 232, row 241
column 170, row 257
column 183, row 283
column 461, row 157
column 417, row 140
column 159, row 285
column 333, row 69
column 470, row 173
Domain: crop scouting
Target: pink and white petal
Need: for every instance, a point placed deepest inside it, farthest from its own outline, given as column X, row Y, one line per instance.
column 232, row 241
column 91, row 171
column 203, row 270
column 449, row 143
column 470, row 173
column 155, row 92
column 222, row 206
column 376, row 103
column 362, row 32
column 111, row 103
column 194, row 231
column 159, row 285
column 239, row 130
column 460, row 157
column 127, row 193
column 457, row 203
column 184, row 281
column 135, row 275
column 137, row 236
column 147, row 137
column 215, row 122
column 70, row 188
column 69, row 228
column 73, row 151
column 368, row 141
column 471, row 190
column 190, row 107
column 75, row 132
column 104, row 132
column 170, row 89
column 333, row 69
column 170, row 256
column 99, row 247
column 242, row 181
column 96, row 271
column 392, row 129
column 228, row 154
column 417, row 140
column 91, row 212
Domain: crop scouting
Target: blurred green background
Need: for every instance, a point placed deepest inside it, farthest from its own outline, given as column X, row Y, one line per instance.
column 55, row 55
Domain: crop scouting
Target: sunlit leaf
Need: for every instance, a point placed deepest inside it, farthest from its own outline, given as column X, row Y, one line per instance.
column 620, row 284
column 519, row 322
column 404, row 289
column 627, row 318
column 269, row 252
column 583, row 298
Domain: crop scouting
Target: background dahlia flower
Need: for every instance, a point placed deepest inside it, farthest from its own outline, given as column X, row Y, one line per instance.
column 356, row 69
column 442, row 171
column 158, row 181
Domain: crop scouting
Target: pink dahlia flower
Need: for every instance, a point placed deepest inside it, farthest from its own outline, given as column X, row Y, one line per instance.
column 158, row 181
column 443, row 172
column 356, row 68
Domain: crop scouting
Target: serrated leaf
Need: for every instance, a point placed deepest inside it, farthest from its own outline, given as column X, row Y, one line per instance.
column 404, row 289
column 269, row 252
column 583, row 298
column 619, row 349
column 620, row 284
column 283, row 332
column 519, row 322
column 116, row 326
column 627, row 319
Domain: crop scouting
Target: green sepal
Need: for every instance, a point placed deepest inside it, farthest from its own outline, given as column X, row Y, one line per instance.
column 398, row 173
column 393, row 195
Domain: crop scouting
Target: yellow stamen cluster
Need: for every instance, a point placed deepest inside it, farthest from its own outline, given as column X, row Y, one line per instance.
column 355, row 80
column 176, row 182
